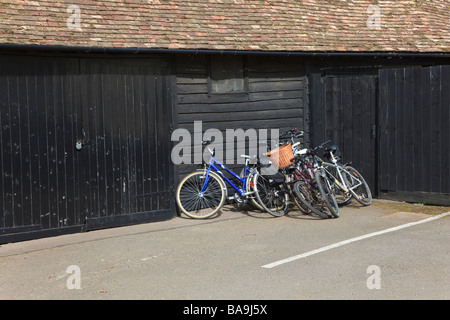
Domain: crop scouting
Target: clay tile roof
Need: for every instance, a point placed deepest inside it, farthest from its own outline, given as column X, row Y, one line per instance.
column 267, row 25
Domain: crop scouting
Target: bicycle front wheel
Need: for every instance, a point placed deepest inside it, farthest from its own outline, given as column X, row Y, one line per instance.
column 342, row 196
column 249, row 189
column 273, row 199
column 306, row 195
column 324, row 186
column 200, row 195
column 358, row 186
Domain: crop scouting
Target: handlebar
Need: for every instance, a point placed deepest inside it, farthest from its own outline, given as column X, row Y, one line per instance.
column 310, row 151
column 291, row 134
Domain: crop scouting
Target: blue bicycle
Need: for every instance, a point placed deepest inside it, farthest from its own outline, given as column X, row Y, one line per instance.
column 202, row 193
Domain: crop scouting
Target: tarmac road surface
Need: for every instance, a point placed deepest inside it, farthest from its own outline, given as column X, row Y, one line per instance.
column 226, row 257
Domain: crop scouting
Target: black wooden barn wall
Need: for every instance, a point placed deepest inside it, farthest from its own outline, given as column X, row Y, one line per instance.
column 392, row 124
column 119, row 109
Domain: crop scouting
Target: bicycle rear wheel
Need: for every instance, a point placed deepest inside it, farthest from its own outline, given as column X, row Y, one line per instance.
column 196, row 203
column 273, row 199
column 358, row 186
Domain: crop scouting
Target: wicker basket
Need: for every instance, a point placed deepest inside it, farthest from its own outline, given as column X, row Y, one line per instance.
column 281, row 156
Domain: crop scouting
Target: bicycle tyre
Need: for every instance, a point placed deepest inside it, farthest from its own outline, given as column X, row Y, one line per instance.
column 273, row 199
column 303, row 193
column 362, row 193
column 300, row 204
column 196, row 205
column 249, row 187
column 324, row 186
column 342, row 198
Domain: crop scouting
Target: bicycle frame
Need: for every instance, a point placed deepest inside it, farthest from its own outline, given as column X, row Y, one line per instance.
column 340, row 181
column 214, row 164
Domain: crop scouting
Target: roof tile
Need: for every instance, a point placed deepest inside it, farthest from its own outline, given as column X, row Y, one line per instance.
column 276, row 25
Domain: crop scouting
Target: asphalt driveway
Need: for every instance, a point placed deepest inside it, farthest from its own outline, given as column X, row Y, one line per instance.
column 243, row 255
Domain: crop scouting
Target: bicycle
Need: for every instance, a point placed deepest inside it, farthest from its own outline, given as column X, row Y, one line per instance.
column 202, row 193
column 272, row 191
column 348, row 183
column 313, row 187
column 306, row 181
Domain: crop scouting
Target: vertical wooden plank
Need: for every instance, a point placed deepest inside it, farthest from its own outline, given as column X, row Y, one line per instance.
column 400, row 129
column 392, row 130
column 131, row 137
column 96, row 137
column 408, row 114
column 152, row 122
column 146, row 152
column 6, row 149
column 108, row 138
column 16, row 150
column 418, row 107
column 122, row 109
column 327, row 108
column 60, row 194
column 51, row 146
column 427, row 127
column 159, row 98
column 316, row 110
column 139, row 137
column 383, row 152
column 375, row 125
column 436, row 113
column 336, row 115
column 73, row 113
column 99, row 93
column 445, row 129
column 88, row 151
column 116, row 92
column 41, row 103
column 84, row 153
column 3, row 106
column 346, row 100
column 367, row 148
column 25, row 93
column 357, row 121
column 164, row 133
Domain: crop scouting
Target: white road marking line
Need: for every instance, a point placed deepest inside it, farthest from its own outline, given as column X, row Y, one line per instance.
column 341, row 243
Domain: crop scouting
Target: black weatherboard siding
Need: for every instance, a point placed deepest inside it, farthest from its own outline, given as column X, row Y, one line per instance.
column 273, row 95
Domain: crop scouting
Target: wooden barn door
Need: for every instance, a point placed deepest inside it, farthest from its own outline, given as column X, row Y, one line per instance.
column 128, row 173
column 40, row 168
column 415, row 134
column 344, row 110
column 84, row 144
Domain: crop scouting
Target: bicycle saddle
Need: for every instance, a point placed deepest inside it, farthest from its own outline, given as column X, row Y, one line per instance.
column 332, row 148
